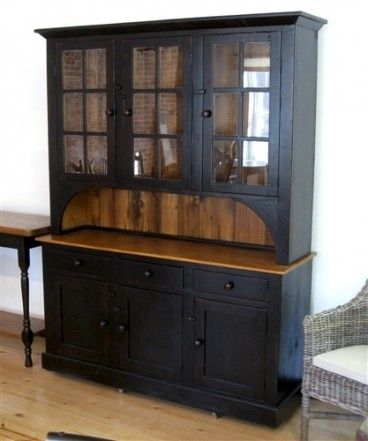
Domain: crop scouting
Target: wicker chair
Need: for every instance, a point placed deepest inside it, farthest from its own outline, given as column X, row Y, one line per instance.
column 340, row 327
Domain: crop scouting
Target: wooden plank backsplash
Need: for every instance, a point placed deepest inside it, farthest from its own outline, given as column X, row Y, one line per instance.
column 211, row 218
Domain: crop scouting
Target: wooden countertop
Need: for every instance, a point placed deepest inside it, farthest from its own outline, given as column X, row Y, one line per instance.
column 20, row 224
column 174, row 249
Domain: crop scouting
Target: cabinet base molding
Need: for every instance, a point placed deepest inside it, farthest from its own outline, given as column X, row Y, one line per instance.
column 214, row 402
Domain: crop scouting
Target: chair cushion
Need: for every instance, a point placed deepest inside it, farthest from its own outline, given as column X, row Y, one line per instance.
column 350, row 362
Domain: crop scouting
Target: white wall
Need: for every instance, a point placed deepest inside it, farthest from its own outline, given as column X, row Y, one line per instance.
column 340, row 233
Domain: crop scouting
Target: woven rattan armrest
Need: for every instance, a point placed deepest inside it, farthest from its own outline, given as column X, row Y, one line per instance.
column 338, row 327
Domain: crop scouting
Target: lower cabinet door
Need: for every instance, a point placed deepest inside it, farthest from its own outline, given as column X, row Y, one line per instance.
column 229, row 348
column 150, row 332
column 78, row 314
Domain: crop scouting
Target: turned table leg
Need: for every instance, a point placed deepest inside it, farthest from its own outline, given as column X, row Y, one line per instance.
column 27, row 334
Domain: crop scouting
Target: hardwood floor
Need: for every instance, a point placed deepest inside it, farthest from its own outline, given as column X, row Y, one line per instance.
column 34, row 402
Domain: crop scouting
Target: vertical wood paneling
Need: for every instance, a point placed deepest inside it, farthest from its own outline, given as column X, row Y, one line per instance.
column 168, row 213
column 172, row 214
column 107, row 215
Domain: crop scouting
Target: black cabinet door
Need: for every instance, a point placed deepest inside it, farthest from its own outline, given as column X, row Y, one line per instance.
column 150, row 332
column 229, row 348
column 241, row 113
column 154, row 107
column 85, row 111
column 77, row 318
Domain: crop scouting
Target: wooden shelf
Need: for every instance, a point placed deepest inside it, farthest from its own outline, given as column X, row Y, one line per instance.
column 179, row 250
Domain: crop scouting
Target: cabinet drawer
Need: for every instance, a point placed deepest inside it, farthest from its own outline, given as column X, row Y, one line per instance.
column 149, row 274
column 77, row 262
column 244, row 287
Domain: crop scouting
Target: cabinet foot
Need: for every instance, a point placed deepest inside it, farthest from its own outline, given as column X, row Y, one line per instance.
column 121, row 391
column 216, row 415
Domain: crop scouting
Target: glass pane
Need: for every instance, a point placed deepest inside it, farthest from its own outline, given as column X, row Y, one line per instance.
column 256, row 114
column 256, row 65
column 255, row 161
column 170, row 113
column 144, row 158
column 170, row 158
column 73, row 112
column 225, row 118
column 96, row 107
column 73, row 154
column 171, row 66
column 72, row 69
column 95, row 74
column 225, row 160
column 144, row 113
column 144, row 68
column 226, row 65
column 97, row 155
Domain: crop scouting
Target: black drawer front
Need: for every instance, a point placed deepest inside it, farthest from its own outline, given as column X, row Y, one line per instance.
column 244, row 287
column 149, row 274
column 78, row 262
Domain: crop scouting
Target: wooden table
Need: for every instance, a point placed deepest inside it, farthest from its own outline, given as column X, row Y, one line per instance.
column 19, row 231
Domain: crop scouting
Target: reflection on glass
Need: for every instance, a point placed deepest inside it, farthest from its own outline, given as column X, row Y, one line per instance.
column 144, row 68
column 144, row 158
column 170, row 105
column 73, row 154
column 144, row 113
column 73, row 112
column 97, row 155
column 96, row 107
column 256, row 110
column 170, row 158
column 255, row 161
column 224, row 161
column 256, row 65
column 72, row 68
column 226, row 65
column 171, row 66
column 225, row 114
column 95, row 64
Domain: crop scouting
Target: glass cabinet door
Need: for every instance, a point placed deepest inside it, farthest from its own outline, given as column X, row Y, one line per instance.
column 156, row 108
column 240, row 113
column 86, row 109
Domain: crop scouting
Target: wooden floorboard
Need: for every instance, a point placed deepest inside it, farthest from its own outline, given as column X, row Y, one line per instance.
column 12, row 324
column 35, row 401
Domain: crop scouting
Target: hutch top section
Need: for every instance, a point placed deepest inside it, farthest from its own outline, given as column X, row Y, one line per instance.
column 274, row 19
column 210, row 108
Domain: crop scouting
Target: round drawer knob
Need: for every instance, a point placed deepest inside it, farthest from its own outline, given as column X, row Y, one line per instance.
column 229, row 285
column 207, row 113
column 78, row 262
column 198, row 342
column 148, row 273
column 127, row 112
column 110, row 112
column 103, row 323
column 123, row 327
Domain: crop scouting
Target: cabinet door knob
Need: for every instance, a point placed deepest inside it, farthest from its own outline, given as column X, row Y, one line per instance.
column 229, row 285
column 198, row 342
column 148, row 273
column 110, row 112
column 103, row 323
column 78, row 262
column 206, row 113
column 127, row 112
column 123, row 327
